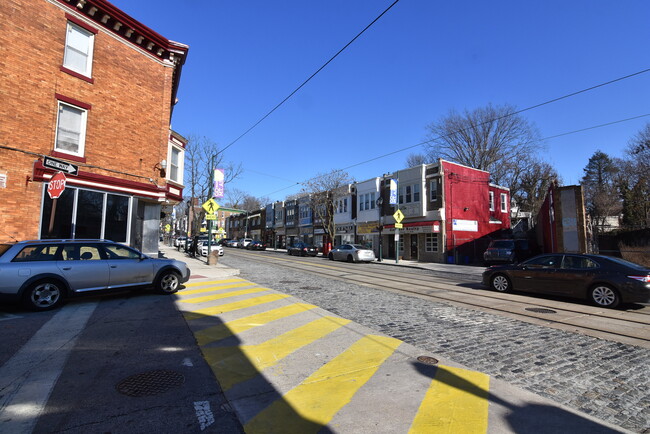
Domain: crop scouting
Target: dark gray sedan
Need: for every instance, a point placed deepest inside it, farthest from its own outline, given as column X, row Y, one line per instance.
column 42, row 273
column 605, row 281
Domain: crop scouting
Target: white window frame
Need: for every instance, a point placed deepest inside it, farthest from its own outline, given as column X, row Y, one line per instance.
column 179, row 166
column 82, row 131
column 504, row 202
column 433, row 195
column 90, row 36
column 431, row 243
column 491, row 201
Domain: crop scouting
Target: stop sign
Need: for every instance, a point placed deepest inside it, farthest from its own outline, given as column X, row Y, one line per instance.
column 56, row 186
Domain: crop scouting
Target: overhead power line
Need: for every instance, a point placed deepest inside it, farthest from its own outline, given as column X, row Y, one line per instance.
column 310, row 77
column 425, row 142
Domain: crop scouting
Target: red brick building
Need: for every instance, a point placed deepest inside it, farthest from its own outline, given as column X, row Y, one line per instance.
column 86, row 84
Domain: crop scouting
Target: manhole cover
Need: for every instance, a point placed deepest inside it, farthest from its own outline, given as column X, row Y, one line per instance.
column 540, row 310
column 150, row 383
column 427, row 360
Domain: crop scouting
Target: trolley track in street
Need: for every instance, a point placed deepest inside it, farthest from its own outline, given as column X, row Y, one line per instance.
column 630, row 326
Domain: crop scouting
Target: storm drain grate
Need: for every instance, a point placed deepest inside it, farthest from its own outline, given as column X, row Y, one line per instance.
column 427, row 360
column 150, row 383
column 540, row 310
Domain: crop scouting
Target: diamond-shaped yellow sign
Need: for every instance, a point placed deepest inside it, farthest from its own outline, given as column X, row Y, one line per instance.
column 398, row 216
column 210, row 206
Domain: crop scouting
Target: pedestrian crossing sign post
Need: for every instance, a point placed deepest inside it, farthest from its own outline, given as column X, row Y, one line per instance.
column 210, row 206
column 398, row 216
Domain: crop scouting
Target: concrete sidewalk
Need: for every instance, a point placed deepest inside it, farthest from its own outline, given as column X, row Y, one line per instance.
column 289, row 366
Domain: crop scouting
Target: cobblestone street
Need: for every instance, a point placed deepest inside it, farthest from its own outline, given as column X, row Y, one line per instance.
column 605, row 379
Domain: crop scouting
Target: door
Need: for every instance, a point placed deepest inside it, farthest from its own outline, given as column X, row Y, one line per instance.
column 83, row 267
column 127, row 267
column 414, row 247
column 539, row 275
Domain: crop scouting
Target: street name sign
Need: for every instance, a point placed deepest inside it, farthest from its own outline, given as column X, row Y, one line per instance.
column 62, row 166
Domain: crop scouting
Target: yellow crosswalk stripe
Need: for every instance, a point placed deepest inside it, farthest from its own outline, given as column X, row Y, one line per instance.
column 215, row 288
column 222, row 295
column 229, row 307
column 456, row 402
column 312, row 404
column 232, row 365
column 212, row 282
column 222, row 331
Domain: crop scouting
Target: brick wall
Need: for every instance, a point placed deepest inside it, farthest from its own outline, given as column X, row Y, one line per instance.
column 127, row 126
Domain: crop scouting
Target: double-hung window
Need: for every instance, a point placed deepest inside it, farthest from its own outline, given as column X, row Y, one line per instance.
column 491, row 201
column 78, row 55
column 504, row 202
column 70, row 129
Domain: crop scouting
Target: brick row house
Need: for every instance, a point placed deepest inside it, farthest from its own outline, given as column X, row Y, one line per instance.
column 85, row 84
column 450, row 213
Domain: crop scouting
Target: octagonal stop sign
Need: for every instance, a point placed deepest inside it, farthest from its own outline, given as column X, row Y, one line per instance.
column 56, row 185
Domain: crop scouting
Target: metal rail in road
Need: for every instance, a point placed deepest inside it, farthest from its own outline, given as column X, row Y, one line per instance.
column 630, row 326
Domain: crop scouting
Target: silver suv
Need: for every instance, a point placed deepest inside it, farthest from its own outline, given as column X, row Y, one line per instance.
column 42, row 273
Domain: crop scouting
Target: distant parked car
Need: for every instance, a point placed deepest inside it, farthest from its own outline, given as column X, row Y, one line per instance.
column 223, row 241
column 203, row 248
column 506, row 252
column 256, row 245
column 232, row 243
column 351, row 253
column 302, row 249
column 180, row 241
column 605, row 281
column 244, row 242
column 42, row 273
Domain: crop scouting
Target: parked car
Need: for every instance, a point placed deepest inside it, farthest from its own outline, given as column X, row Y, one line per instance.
column 42, row 273
column 180, row 241
column 351, row 253
column 605, row 281
column 223, row 241
column 256, row 245
column 203, row 248
column 232, row 243
column 302, row 249
column 242, row 243
column 506, row 251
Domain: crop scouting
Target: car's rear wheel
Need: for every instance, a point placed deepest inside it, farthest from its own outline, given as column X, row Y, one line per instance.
column 350, row 258
column 501, row 283
column 604, row 296
column 330, row 257
column 169, row 282
column 44, row 295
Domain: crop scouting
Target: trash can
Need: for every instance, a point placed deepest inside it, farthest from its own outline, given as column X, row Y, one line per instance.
column 213, row 257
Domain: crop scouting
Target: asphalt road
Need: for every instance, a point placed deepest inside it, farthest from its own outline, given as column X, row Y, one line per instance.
column 605, row 379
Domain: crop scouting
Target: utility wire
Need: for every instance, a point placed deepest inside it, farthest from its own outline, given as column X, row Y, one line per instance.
column 428, row 141
column 310, row 77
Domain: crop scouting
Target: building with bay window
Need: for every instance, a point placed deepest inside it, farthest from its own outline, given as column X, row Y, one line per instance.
column 91, row 89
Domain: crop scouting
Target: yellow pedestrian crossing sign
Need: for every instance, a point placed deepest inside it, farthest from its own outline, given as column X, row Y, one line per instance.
column 210, row 206
column 398, row 216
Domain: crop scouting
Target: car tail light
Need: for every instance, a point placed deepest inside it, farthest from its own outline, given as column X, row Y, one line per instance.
column 645, row 279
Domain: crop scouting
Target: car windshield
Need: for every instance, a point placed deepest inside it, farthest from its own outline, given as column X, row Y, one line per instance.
column 4, row 248
column 626, row 263
column 502, row 244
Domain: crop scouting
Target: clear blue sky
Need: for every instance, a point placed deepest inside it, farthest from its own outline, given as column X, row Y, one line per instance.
column 421, row 59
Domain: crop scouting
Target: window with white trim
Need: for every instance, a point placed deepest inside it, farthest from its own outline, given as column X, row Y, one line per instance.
column 504, row 202
column 431, row 242
column 176, row 164
column 491, row 201
column 78, row 54
column 70, row 129
column 433, row 190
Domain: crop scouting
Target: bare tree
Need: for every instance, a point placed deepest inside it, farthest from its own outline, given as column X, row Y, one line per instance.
column 322, row 190
column 416, row 160
column 201, row 156
column 489, row 138
column 531, row 184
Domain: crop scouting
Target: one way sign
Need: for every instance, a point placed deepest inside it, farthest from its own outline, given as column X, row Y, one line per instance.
column 63, row 166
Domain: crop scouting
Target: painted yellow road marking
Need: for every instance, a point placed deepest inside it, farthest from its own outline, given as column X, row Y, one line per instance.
column 212, row 282
column 216, row 288
column 312, row 404
column 222, row 331
column 232, row 365
column 456, row 402
column 221, row 295
column 229, row 307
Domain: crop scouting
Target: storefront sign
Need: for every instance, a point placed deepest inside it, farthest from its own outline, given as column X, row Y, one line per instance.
column 367, row 228
column 465, row 225
column 3, row 179
column 436, row 227
column 344, row 229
